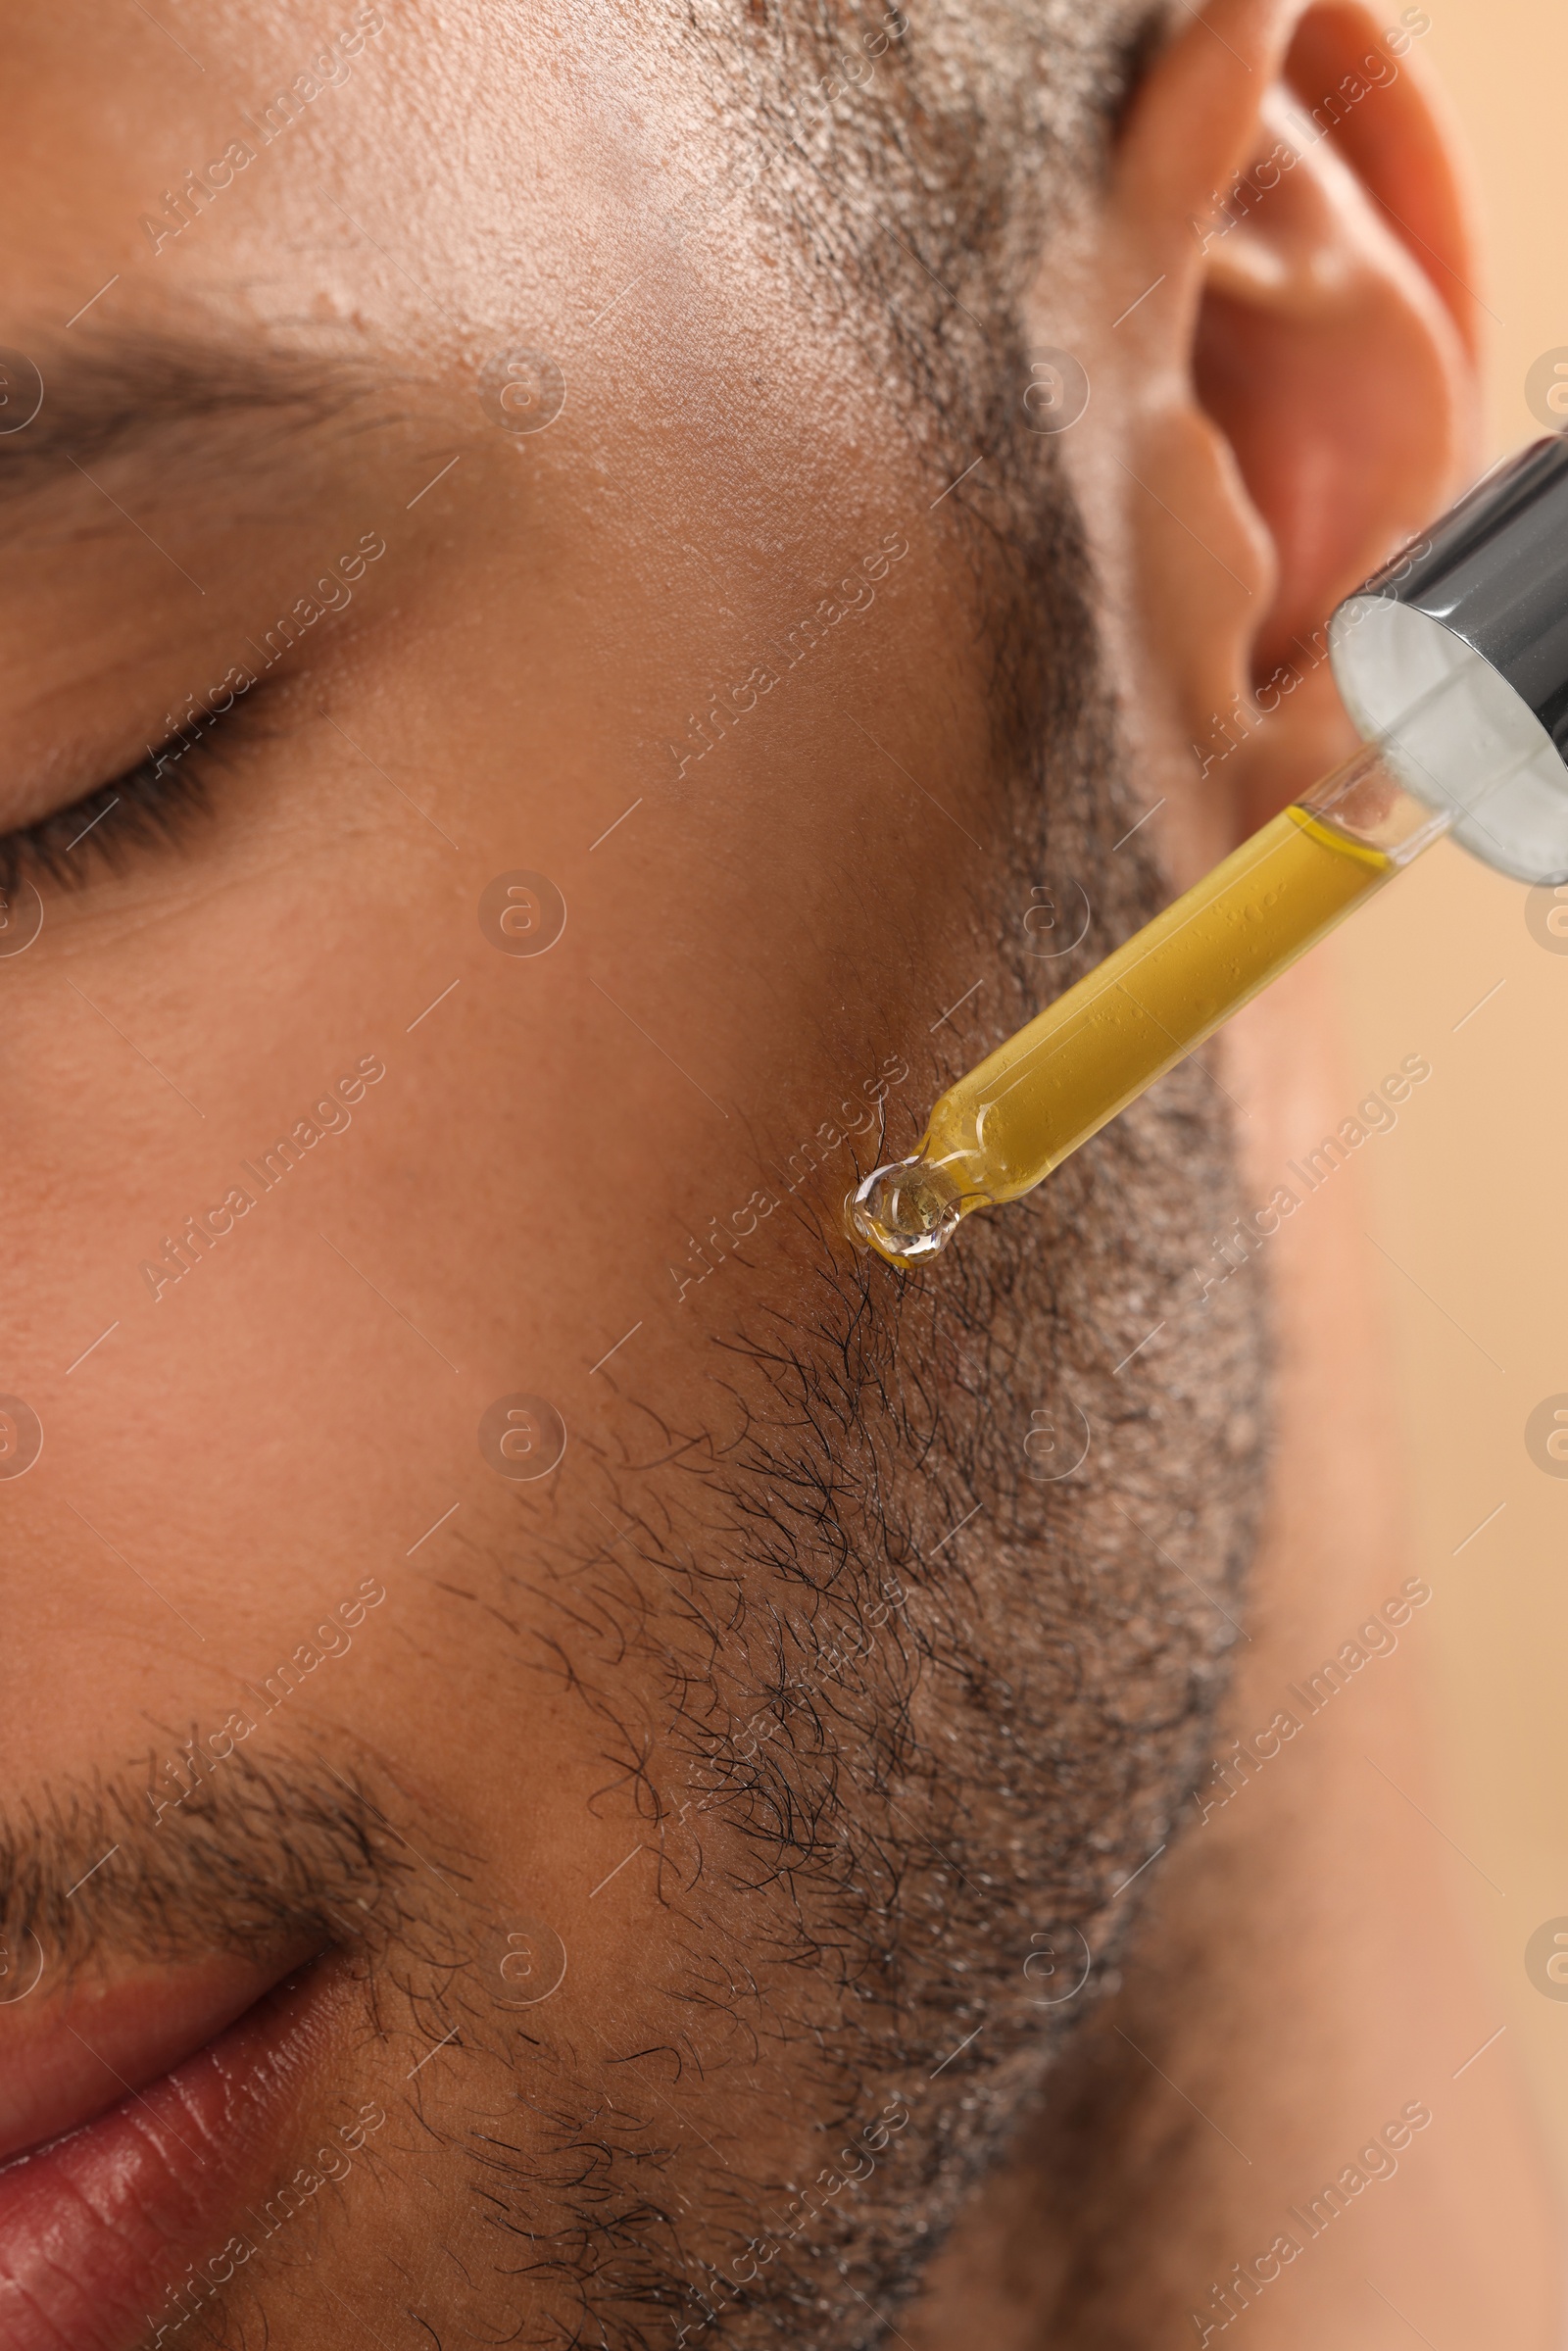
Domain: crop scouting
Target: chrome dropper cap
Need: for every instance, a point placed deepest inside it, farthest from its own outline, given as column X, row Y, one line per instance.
column 1479, row 605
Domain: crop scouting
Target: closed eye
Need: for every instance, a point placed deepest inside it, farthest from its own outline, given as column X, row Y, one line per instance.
column 150, row 805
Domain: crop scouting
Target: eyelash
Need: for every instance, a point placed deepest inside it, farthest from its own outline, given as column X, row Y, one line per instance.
column 148, row 806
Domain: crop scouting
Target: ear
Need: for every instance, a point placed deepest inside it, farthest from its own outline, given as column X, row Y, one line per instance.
column 1297, row 394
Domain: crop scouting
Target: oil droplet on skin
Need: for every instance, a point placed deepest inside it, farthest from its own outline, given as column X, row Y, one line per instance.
column 908, row 1211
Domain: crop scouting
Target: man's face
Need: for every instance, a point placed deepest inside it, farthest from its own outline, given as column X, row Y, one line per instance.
column 593, row 1721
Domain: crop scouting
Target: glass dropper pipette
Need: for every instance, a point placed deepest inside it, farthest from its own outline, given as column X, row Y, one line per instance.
column 1013, row 1120
column 1456, row 661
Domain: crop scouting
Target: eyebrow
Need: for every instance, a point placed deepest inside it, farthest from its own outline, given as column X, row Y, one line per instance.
column 149, row 394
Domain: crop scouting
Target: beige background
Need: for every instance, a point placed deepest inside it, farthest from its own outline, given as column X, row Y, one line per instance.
column 1471, row 1193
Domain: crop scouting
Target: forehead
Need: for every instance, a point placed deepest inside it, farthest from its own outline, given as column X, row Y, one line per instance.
column 420, row 194
column 398, row 174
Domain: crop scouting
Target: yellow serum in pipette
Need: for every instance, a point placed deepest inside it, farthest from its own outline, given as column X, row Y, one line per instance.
column 1001, row 1129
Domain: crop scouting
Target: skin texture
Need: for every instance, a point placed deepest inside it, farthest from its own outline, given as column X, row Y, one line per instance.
column 787, row 1719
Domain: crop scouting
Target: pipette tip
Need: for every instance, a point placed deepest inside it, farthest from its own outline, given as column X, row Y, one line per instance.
column 906, row 1211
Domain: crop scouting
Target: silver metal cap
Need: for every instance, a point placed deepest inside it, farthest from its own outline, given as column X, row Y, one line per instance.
column 1455, row 656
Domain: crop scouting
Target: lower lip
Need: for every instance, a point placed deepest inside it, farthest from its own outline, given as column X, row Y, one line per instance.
column 98, row 2227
